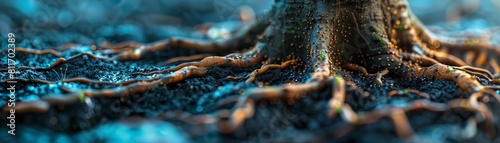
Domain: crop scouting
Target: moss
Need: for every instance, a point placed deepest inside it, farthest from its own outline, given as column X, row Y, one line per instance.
column 322, row 55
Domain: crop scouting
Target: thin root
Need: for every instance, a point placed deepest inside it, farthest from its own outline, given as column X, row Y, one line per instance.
column 361, row 69
column 251, row 77
column 407, row 91
column 60, row 61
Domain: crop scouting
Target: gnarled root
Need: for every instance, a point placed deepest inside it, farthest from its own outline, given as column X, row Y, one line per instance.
column 464, row 80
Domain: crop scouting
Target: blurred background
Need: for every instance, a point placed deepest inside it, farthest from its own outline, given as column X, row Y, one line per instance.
column 146, row 21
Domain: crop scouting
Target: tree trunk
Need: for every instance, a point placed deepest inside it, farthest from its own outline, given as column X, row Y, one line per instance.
column 363, row 32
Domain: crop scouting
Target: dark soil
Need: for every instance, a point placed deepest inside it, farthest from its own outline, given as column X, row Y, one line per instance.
column 133, row 119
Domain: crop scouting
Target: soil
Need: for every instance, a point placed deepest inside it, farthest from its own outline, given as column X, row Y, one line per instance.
column 133, row 119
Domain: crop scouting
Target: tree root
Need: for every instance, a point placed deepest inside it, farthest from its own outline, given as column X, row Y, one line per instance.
column 243, row 39
column 251, row 77
column 228, row 121
column 180, row 72
column 378, row 76
column 403, row 128
column 477, row 72
column 79, row 80
column 248, row 59
column 186, row 58
column 461, row 75
column 407, row 91
column 439, row 71
column 38, row 52
column 59, row 62
column 319, row 57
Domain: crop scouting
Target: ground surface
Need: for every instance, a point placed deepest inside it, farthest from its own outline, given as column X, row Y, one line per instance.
column 133, row 119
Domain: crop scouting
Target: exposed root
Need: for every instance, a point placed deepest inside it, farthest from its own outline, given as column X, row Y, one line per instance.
column 407, row 91
column 38, row 52
column 248, row 59
column 79, row 80
column 228, row 121
column 60, row 61
column 109, row 48
column 378, row 76
column 426, row 61
column 445, row 58
column 264, row 68
column 464, row 80
column 184, row 59
column 318, row 45
column 403, row 128
column 477, row 72
column 495, row 66
column 243, row 38
column 134, row 87
column 320, row 78
column 338, row 97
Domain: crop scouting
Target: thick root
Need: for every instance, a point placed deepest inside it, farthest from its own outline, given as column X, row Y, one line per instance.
column 38, row 52
column 338, row 97
column 134, row 87
column 233, row 60
column 426, row 61
column 439, row 71
column 477, row 72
